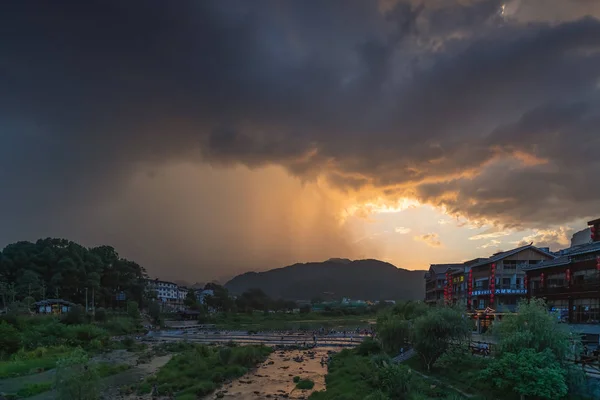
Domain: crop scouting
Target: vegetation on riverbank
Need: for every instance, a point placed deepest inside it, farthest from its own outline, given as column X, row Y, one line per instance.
column 199, row 369
column 367, row 373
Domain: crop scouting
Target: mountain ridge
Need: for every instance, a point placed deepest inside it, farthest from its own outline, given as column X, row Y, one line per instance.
column 342, row 277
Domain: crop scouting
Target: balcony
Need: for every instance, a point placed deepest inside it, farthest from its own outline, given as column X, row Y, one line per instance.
column 590, row 285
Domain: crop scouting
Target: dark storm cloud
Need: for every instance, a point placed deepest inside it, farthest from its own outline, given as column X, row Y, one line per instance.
column 420, row 98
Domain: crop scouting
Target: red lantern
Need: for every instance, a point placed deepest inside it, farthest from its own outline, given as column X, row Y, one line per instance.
column 542, row 279
column 526, row 283
column 492, row 284
column 568, row 276
column 598, row 263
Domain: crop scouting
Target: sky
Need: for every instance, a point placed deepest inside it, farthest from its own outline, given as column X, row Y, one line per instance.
column 207, row 138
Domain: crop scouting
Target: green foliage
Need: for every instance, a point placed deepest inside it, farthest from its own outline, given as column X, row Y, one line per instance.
column 133, row 310
column 433, row 332
column 119, row 326
column 10, row 340
column 528, row 373
column 75, row 315
column 26, row 362
column 154, row 312
column 296, row 379
column 76, row 379
column 100, row 315
column 32, row 389
column 393, row 332
column 305, row 384
column 368, row 347
column 533, row 327
column 107, row 369
column 61, row 268
column 199, row 369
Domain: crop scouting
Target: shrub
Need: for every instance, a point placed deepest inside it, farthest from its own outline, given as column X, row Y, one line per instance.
column 31, row 389
column 133, row 310
column 305, row 384
column 10, row 339
column 368, row 347
column 76, row 379
column 100, row 315
column 76, row 315
column 296, row 379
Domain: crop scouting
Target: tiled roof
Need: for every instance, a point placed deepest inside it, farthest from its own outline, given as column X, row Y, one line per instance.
column 504, row 254
column 565, row 258
column 442, row 268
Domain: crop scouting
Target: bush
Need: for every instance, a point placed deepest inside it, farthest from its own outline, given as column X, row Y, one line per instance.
column 76, row 379
column 119, row 326
column 305, row 384
column 368, row 347
column 82, row 335
column 75, row 316
column 10, row 339
column 133, row 310
column 296, row 379
column 100, row 315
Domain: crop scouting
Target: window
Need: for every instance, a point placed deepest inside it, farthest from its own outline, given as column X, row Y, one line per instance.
column 518, row 282
column 560, row 308
column 586, row 311
column 506, row 282
column 481, row 304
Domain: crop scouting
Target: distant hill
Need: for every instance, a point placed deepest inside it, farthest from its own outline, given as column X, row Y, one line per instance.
column 360, row 279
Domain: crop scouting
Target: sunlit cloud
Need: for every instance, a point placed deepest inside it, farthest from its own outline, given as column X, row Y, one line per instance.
column 491, row 243
column 490, row 235
column 443, row 221
column 402, row 230
column 553, row 238
column 431, row 239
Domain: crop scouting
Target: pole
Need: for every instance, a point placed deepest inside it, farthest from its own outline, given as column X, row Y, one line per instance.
column 86, row 301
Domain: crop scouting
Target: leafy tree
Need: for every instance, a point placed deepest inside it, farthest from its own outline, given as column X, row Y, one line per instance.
column 533, row 351
column 76, row 379
column 435, row 331
column 393, row 332
column 533, row 327
column 10, row 339
column 190, row 299
column 220, row 300
column 154, row 312
column 528, row 373
column 133, row 310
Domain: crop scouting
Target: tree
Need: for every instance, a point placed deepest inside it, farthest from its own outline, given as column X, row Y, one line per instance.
column 533, row 327
column 393, row 332
column 533, row 352
column 190, row 299
column 10, row 339
column 154, row 312
column 133, row 310
column 528, row 373
column 76, row 379
column 435, row 331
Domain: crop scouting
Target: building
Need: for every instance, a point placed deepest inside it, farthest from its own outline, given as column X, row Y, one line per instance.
column 435, row 282
column 499, row 282
column 570, row 284
column 166, row 292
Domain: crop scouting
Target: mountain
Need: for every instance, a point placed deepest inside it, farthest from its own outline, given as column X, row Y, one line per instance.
column 359, row 279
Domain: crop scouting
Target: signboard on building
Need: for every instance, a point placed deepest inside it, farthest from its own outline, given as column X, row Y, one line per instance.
column 499, row 291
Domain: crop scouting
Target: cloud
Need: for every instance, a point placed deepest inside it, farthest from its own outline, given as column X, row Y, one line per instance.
column 431, row 239
column 402, row 230
column 492, row 118
column 443, row 221
column 557, row 238
column 491, row 243
column 490, row 234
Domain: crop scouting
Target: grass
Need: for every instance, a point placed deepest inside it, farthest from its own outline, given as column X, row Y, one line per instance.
column 201, row 369
column 32, row 389
column 108, row 369
column 305, row 384
column 30, row 362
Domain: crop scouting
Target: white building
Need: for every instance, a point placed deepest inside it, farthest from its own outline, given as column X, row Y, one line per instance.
column 166, row 292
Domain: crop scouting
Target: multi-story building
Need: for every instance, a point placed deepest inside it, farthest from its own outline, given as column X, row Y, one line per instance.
column 570, row 284
column 166, row 292
column 435, row 282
